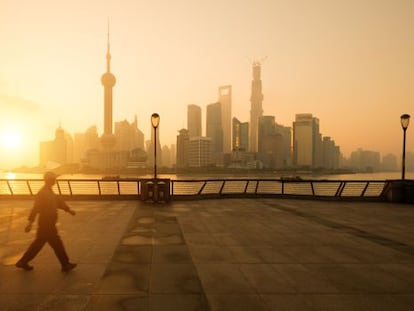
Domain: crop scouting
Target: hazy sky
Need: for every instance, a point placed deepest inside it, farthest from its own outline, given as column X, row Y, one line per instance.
column 349, row 62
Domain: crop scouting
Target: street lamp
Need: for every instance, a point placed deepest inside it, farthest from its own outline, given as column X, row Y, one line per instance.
column 155, row 121
column 405, row 120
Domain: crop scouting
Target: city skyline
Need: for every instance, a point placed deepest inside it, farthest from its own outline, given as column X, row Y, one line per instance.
column 339, row 62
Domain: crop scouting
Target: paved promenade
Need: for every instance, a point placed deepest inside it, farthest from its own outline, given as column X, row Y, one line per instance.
column 232, row 254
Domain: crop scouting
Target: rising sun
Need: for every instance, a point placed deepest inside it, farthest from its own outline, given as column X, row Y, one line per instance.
column 10, row 140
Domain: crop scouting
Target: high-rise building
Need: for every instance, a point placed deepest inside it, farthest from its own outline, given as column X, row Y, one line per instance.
column 108, row 81
column 128, row 136
column 214, row 128
column 389, row 162
column 330, row 154
column 173, row 155
column 271, row 149
column 199, row 153
column 182, row 148
column 224, row 93
column 256, row 110
column 58, row 151
column 194, row 121
column 240, row 135
column 84, row 142
column 365, row 160
column 166, row 156
column 307, row 144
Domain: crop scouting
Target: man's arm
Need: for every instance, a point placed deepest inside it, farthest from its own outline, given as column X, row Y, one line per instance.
column 33, row 214
column 62, row 205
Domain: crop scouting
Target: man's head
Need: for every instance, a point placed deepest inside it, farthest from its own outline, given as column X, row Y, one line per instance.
column 49, row 178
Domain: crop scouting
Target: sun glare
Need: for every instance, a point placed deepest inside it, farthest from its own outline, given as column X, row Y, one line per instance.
column 10, row 140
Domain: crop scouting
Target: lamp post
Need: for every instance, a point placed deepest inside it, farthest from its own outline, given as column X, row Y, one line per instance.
column 155, row 121
column 405, row 120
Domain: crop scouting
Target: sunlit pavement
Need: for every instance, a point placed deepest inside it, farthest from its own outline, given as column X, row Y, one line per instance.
column 232, row 254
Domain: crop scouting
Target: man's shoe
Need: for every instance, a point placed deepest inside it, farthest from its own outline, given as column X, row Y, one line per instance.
column 24, row 266
column 69, row 266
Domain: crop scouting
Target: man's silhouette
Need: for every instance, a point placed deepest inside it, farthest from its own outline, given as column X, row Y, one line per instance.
column 46, row 205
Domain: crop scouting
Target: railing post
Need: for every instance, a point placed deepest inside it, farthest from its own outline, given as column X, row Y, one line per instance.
column 257, row 186
column 28, row 186
column 340, row 189
column 365, row 189
column 247, row 185
column 99, row 187
column 222, row 186
column 313, row 190
column 10, row 188
column 57, row 185
column 202, row 187
column 70, row 187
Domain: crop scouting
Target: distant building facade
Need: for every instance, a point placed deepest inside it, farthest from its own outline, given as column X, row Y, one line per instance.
column 128, row 136
column 182, row 156
column 194, row 123
column 58, row 151
column 256, row 110
column 224, row 94
column 365, row 160
column 240, row 134
column 389, row 162
column 214, row 128
column 199, row 151
column 306, row 141
column 273, row 143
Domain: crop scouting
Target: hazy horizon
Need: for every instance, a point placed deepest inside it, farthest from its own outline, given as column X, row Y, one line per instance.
column 349, row 63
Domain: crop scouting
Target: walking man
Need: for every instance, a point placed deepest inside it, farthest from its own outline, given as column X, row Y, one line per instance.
column 46, row 205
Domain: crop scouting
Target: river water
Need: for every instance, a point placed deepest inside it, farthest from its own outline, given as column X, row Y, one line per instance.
column 358, row 176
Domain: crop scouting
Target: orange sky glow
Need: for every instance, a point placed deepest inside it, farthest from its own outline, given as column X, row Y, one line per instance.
column 349, row 63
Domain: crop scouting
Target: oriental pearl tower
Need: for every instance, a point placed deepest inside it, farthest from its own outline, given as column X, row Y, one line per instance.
column 108, row 81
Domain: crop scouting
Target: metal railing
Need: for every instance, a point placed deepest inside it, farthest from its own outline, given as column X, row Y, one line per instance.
column 198, row 189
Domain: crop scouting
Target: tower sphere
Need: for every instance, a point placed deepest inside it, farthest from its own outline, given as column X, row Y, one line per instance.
column 108, row 79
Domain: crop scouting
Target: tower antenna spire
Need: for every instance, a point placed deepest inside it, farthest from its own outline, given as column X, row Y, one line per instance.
column 108, row 53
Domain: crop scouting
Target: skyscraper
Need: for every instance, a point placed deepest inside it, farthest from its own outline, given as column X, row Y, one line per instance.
column 256, row 110
column 199, row 153
column 306, row 141
column 214, row 128
column 224, row 93
column 182, row 148
column 240, row 135
column 108, row 81
column 194, row 121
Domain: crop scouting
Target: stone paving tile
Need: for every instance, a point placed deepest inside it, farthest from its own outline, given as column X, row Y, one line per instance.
column 178, row 302
column 243, row 254
column 64, row 302
column 121, row 302
column 234, row 302
column 133, row 254
column 21, row 301
column 223, row 279
column 265, row 279
column 283, row 302
column 362, row 278
column 174, row 278
column 171, row 254
column 125, row 278
column 305, row 279
column 210, row 254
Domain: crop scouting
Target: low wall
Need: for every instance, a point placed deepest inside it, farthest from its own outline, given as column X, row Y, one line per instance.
column 400, row 191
